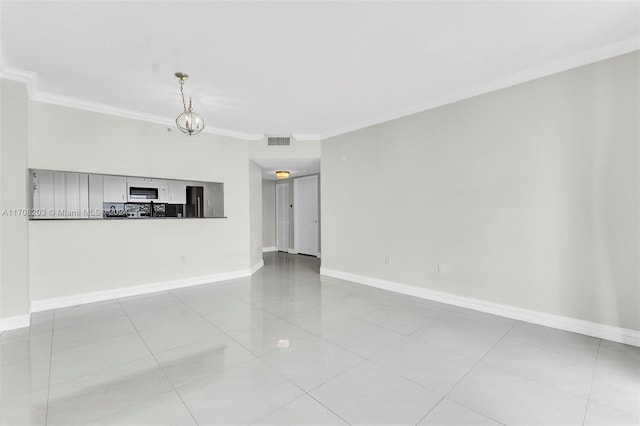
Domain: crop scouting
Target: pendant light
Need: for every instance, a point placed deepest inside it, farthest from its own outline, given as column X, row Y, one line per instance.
column 188, row 122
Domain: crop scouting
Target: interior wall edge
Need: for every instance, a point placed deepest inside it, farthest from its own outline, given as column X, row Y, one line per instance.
column 255, row 268
column 12, row 323
column 588, row 328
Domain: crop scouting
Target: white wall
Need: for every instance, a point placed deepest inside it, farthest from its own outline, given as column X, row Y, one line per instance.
column 14, row 261
column 255, row 206
column 528, row 195
column 268, row 213
column 74, row 257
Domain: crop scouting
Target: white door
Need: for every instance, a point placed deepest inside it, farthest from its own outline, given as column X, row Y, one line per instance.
column 282, row 216
column 305, row 216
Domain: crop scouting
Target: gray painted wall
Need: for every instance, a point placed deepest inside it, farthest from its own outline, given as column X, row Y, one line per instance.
column 68, row 258
column 255, row 212
column 268, row 213
column 529, row 196
column 14, row 248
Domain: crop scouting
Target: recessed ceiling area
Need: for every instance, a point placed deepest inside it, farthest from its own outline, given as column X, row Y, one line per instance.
column 309, row 69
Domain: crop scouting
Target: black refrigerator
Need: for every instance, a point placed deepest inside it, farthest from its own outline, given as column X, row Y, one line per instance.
column 195, row 201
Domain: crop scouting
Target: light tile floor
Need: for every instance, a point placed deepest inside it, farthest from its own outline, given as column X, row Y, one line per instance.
column 288, row 347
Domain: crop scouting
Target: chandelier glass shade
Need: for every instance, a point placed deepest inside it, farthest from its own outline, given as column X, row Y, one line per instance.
column 188, row 121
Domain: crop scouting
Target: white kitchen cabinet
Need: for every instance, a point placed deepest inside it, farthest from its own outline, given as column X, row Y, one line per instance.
column 71, row 193
column 163, row 193
column 177, row 192
column 83, row 195
column 96, row 196
column 115, row 189
column 60, row 194
column 43, row 195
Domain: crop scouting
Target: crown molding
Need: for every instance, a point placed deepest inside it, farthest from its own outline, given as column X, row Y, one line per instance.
column 30, row 79
column 564, row 64
column 306, row 137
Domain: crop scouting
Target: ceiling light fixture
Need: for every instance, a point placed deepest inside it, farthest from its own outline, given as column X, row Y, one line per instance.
column 282, row 174
column 188, row 122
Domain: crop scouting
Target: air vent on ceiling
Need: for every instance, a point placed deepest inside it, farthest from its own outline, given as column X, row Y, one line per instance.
column 278, row 140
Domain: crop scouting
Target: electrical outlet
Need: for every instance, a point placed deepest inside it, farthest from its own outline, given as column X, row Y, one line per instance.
column 442, row 268
column 387, row 260
column 183, row 259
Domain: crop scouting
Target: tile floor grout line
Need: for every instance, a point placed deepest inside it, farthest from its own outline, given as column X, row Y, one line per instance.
column 474, row 367
column 221, row 331
column 334, row 413
column 310, row 390
column 593, row 375
column 46, row 408
column 197, row 313
column 159, row 366
column 429, row 412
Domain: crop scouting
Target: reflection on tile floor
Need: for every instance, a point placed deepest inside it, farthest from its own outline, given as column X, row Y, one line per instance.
column 288, row 347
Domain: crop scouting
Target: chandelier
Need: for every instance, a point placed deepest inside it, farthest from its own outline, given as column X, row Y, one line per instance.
column 188, row 122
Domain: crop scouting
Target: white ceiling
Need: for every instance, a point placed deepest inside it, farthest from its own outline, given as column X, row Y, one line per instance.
column 296, row 166
column 311, row 69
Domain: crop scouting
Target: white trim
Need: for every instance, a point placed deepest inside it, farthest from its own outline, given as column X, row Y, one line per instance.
column 268, row 249
column 30, row 79
column 564, row 64
column 255, row 268
column 602, row 331
column 98, row 296
column 306, row 137
column 11, row 323
column 292, row 251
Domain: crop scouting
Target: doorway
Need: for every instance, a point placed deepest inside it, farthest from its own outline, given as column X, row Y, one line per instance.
column 306, row 215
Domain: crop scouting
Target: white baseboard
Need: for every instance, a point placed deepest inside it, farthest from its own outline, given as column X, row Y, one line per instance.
column 602, row 331
column 268, row 249
column 98, row 296
column 11, row 323
column 257, row 266
column 293, row 251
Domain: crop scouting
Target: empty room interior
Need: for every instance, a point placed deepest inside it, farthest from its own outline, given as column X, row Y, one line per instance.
column 320, row 213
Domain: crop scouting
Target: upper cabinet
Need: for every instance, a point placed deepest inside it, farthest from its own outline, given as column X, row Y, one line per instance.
column 60, row 195
column 177, row 192
column 115, row 189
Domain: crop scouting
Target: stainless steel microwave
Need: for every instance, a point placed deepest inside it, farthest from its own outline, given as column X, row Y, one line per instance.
column 142, row 192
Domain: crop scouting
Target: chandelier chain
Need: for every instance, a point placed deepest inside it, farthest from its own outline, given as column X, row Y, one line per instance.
column 184, row 104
